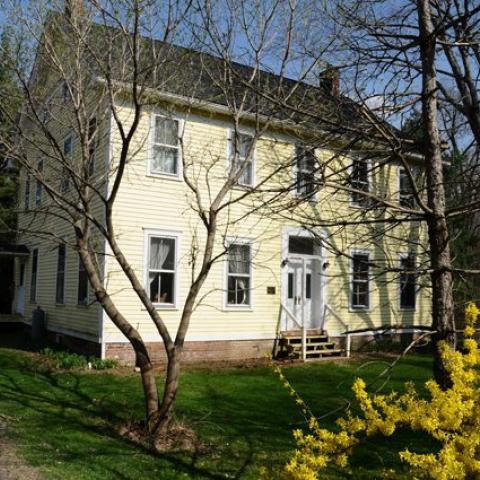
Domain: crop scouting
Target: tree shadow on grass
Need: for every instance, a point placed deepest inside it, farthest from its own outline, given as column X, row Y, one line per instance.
column 68, row 423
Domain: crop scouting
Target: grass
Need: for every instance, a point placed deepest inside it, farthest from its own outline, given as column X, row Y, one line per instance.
column 66, row 422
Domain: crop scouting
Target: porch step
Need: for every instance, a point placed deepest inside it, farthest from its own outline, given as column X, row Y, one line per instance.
column 318, row 345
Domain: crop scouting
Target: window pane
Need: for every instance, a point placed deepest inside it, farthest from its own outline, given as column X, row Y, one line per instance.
column 161, row 287
column 238, row 290
column 60, row 287
column 67, row 146
column 164, row 160
column 162, row 253
column 166, row 131
column 360, row 281
column 239, row 258
column 406, row 192
column 301, row 245
column 407, row 283
column 246, row 178
column 290, row 285
column 359, row 181
column 305, row 159
column 308, row 285
column 244, row 145
column 33, row 277
column 305, row 183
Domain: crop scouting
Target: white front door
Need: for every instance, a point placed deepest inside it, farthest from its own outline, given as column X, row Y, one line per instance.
column 20, row 307
column 303, row 290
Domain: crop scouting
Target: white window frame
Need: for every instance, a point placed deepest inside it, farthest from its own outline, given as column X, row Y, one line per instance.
column 87, row 298
column 368, row 162
column 359, row 308
column 401, row 169
column 180, row 130
column 159, row 233
column 34, row 298
column 64, row 274
column 401, row 257
column 296, row 171
column 38, row 184
column 65, row 180
column 238, row 241
column 230, row 156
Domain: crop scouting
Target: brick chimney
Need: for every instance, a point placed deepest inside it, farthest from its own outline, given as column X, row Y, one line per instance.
column 73, row 9
column 330, row 80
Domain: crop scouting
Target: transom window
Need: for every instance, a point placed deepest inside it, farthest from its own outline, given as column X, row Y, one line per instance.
column 305, row 164
column 241, row 158
column 360, row 181
column 360, row 282
column 407, row 282
column 60, row 286
column 162, row 269
column 166, row 146
column 239, row 275
column 405, row 191
column 301, row 245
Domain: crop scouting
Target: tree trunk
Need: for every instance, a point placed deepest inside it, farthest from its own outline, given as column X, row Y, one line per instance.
column 438, row 235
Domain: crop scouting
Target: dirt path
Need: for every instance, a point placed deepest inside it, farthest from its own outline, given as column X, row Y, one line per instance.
column 11, row 466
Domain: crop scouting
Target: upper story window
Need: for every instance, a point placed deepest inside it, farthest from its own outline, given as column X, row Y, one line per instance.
column 27, row 191
column 60, row 285
column 34, row 276
column 166, row 146
column 242, row 156
column 305, row 164
column 359, row 181
column 407, row 282
column 239, row 274
column 39, row 186
column 162, row 269
column 65, row 92
column 360, row 281
column 405, row 190
column 67, row 154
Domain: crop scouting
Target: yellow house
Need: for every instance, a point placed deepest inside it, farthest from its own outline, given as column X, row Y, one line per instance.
column 302, row 250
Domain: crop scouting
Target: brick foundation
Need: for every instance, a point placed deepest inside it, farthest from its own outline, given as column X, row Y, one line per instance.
column 201, row 351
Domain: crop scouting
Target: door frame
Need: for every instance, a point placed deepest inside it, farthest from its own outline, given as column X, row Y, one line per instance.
column 321, row 259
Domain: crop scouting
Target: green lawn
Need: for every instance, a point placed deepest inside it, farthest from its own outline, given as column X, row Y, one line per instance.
column 66, row 422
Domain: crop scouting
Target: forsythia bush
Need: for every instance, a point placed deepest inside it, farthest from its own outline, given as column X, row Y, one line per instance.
column 452, row 417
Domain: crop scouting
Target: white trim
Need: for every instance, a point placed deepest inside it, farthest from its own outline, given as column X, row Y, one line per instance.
column 351, row 308
column 253, row 155
column 176, row 235
column 402, row 256
column 232, row 240
column 151, row 144
column 356, row 157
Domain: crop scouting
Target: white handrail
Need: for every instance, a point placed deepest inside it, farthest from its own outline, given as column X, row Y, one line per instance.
column 290, row 314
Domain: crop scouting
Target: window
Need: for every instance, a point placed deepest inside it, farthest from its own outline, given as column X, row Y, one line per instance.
column 39, row 187
column 405, row 190
column 304, row 171
column 162, row 269
column 407, row 282
column 60, row 286
column 166, row 146
column 27, row 191
column 82, row 291
column 65, row 92
column 360, row 282
column 239, row 275
column 301, row 245
column 34, row 276
column 242, row 158
column 92, row 146
column 67, row 153
column 360, row 181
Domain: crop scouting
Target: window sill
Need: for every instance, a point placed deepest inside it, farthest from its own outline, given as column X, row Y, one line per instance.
column 166, row 176
column 408, row 309
column 82, row 305
column 162, row 308
column 238, row 308
column 359, row 309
